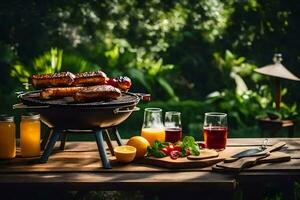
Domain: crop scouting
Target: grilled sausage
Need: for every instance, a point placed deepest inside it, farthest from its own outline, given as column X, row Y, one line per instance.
column 52, row 80
column 90, row 78
column 97, row 93
column 59, row 92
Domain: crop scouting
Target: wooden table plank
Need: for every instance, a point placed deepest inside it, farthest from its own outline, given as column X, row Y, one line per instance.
column 77, row 159
column 115, row 181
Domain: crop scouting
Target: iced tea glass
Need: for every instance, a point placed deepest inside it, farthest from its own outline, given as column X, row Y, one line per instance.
column 215, row 130
column 173, row 126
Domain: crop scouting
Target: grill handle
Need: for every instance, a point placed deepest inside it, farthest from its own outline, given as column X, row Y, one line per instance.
column 118, row 110
column 22, row 106
column 143, row 96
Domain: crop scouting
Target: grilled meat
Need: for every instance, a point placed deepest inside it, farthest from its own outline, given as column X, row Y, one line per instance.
column 124, row 83
column 65, row 79
column 97, row 93
column 52, row 80
column 90, row 78
column 59, row 92
column 121, row 82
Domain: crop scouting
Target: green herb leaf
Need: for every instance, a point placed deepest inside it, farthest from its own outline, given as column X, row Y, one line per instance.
column 159, row 154
column 155, row 150
column 189, row 142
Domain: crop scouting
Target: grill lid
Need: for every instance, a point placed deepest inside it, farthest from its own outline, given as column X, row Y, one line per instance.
column 32, row 99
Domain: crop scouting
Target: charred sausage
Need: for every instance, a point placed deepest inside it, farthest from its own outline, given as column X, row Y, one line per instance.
column 90, row 78
column 97, row 93
column 52, row 80
column 59, row 92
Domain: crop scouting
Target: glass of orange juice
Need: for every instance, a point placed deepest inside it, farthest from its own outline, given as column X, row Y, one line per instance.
column 153, row 126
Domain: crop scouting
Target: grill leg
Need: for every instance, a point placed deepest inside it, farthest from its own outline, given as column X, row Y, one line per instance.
column 54, row 137
column 46, row 138
column 119, row 140
column 101, row 149
column 108, row 142
column 63, row 138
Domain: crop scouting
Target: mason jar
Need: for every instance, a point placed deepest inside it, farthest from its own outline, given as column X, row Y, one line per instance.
column 30, row 135
column 7, row 137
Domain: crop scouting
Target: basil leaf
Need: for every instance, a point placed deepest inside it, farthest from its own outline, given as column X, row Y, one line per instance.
column 155, row 150
column 195, row 151
column 189, row 142
column 159, row 154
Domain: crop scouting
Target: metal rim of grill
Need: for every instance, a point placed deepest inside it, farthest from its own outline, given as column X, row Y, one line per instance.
column 125, row 99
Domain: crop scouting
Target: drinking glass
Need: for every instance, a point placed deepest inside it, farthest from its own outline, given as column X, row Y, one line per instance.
column 153, row 127
column 215, row 130
column 173, row 126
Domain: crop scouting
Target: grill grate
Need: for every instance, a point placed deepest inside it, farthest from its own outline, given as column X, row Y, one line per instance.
column 32, row 99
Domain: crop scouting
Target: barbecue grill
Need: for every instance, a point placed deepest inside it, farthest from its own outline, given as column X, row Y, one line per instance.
column 62, row 115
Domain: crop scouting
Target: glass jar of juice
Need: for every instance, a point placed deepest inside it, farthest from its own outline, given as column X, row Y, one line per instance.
column 30, row 134
column 7, row 137
column 153, row 127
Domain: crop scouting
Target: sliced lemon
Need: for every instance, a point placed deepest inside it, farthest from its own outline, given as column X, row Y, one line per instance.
column 125, row 153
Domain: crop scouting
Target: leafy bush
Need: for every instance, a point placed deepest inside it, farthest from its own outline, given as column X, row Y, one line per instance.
column 175, row 50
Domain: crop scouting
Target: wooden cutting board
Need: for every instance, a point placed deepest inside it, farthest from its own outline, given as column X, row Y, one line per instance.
column 206, row 158
column 251, row 161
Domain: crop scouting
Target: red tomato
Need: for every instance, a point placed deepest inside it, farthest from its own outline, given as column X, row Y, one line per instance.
column 112, row 82
column 170, row 147
column 177, row 148
column 187, row 152
column 166, row 151
column 174, row 154
column 201, row 145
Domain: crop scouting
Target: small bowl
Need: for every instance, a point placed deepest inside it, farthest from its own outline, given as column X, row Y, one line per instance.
column 125, row 153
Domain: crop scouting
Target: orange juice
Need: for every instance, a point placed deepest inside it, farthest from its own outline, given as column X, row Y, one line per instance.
column 30, row 135
column 7, row 137
column 152, row 134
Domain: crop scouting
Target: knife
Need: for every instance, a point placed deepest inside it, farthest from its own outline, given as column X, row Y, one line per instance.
column 254, row 152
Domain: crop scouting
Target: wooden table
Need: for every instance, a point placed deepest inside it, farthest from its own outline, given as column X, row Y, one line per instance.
column 79, row 168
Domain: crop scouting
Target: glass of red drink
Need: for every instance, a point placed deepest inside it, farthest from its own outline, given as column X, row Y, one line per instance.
column 215, row 130
column 173, row 126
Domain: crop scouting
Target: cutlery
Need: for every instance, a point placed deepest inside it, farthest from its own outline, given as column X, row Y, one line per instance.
column 242, row 162
column 255, row 152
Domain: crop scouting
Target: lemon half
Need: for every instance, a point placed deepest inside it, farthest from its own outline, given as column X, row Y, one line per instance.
column 125, row 153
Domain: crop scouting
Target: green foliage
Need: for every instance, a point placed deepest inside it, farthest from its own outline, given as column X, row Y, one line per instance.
column 244, row 104
column 142, row 67
column 47, row 63
column 242, row 109
column 235, row 68
column 175, row 50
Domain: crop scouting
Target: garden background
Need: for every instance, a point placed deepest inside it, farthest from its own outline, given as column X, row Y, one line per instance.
column 191, row 56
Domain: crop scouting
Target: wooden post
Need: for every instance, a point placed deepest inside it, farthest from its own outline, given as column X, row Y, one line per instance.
column 277, row 93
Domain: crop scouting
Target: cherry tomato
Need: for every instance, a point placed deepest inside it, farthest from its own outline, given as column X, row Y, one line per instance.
column 166, row 151
column 201, row 145
column 187, row 152
column 170, row 148
column 177, row 148
column 174, row 154
column 112, row 82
